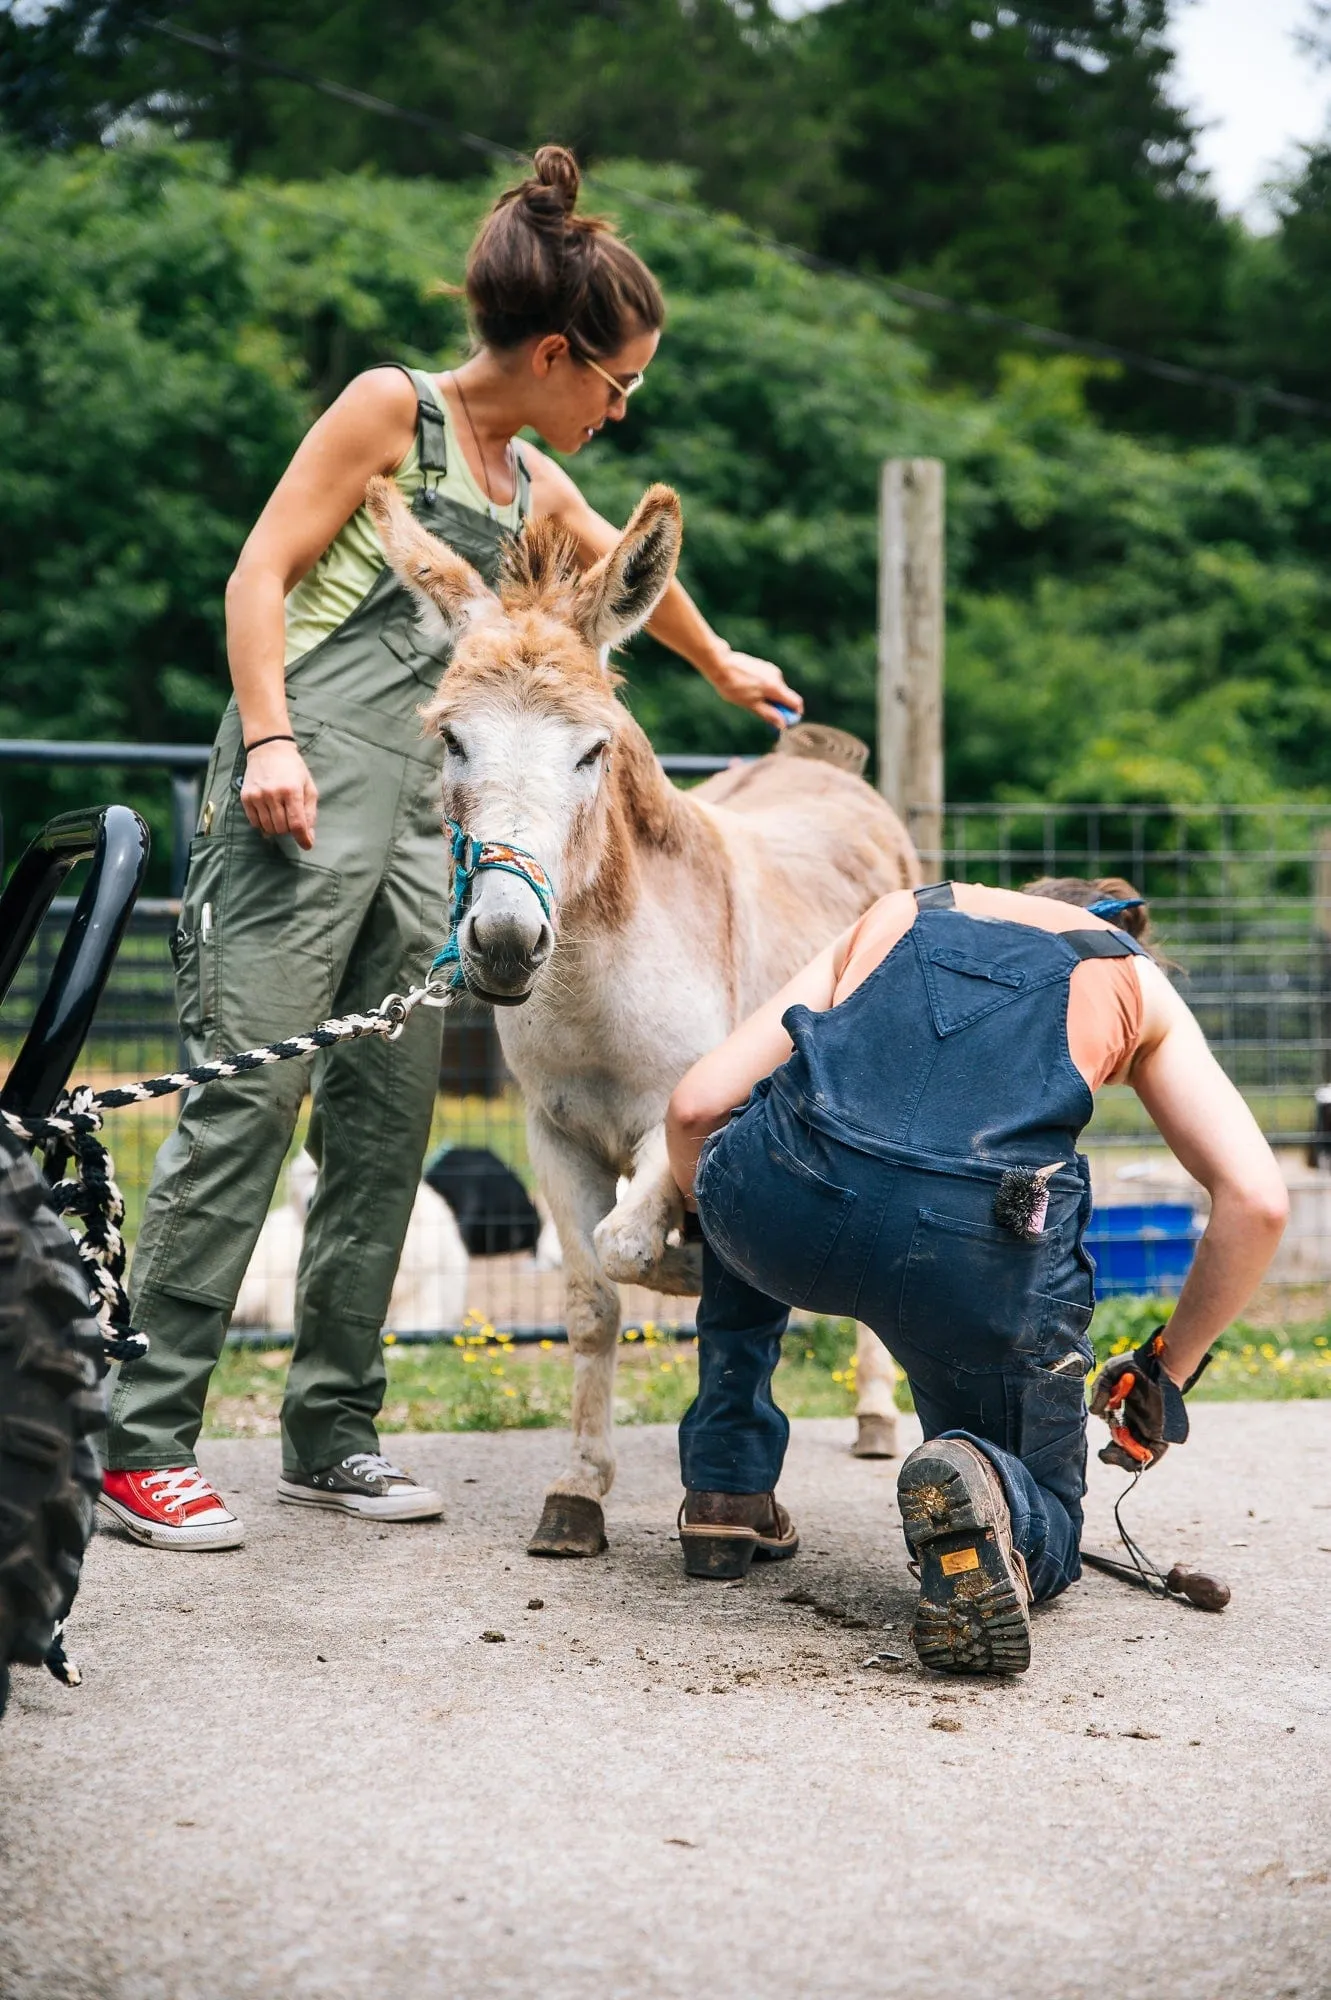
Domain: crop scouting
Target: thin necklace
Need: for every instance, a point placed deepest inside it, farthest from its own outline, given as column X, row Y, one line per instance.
column 508, row 447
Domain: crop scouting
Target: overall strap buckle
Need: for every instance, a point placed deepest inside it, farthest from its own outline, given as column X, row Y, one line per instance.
column 938, row 896
column 431, row 436
column 431, row 441
column 1103, row 944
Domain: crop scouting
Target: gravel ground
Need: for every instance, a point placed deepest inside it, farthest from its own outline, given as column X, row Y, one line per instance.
column 300, row 1770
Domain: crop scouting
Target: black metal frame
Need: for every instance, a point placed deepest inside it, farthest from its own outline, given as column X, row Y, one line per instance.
column 116, row 841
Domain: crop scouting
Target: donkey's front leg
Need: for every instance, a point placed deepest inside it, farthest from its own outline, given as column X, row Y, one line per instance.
column 875, row 1408
column 580, row 1189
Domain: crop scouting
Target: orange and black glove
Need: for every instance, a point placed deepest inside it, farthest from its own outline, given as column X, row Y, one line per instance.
column 1142, row 1405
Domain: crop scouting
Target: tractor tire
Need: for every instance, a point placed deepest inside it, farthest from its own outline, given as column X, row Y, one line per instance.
column 52, row 1401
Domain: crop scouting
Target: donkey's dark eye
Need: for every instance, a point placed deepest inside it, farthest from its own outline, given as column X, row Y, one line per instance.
column 590, row 757
column 451, row 744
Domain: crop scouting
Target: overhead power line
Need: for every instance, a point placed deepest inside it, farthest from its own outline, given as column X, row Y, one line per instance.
column 909, row 295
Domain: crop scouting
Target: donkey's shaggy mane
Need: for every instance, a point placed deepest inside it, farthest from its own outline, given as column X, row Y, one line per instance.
column 541, row 570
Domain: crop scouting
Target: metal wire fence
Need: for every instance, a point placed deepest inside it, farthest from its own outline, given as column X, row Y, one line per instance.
column 1240, row 902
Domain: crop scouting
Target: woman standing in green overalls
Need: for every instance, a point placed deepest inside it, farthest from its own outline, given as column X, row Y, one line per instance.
column 317, row 880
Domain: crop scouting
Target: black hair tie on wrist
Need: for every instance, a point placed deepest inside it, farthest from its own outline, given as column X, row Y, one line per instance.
column 267, row 739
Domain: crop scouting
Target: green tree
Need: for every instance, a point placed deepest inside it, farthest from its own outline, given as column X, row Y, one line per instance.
column 1281, row 286
column 709, row 84
column 1028, row 158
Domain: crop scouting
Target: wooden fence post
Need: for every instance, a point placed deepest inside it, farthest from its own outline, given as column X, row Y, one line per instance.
column 910, row 650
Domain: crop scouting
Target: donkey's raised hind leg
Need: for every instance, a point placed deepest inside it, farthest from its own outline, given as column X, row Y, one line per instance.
column 580, row 1190
column 875, row 1410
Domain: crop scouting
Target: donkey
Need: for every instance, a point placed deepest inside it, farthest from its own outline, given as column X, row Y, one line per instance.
column 673, row 914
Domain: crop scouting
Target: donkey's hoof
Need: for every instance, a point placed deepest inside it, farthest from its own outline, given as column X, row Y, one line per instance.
column 571, row 1525
column 876, row 1438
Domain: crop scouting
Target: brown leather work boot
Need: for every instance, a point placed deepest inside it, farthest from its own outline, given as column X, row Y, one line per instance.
column 722, row 1533
column 974, row 1590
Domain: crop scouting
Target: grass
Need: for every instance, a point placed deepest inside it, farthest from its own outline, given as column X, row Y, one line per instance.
column 1251, row 1363
column 483, row 1382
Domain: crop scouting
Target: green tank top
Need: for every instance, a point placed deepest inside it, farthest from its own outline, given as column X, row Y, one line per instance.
column 351, row 565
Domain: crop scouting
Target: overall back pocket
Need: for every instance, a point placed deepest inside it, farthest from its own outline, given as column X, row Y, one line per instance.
column 970, row 1293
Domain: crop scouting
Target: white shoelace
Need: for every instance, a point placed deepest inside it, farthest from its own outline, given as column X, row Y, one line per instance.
column 373, row 1464
column 181, row 1487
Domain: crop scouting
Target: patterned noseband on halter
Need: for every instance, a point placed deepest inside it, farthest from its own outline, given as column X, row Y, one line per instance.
column 470, row 859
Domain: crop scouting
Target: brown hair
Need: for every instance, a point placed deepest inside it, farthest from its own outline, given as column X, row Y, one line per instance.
column 1081, row 894
column 536, row 267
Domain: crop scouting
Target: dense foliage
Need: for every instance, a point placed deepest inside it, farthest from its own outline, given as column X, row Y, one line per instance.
column 1028, row 157
column 1125, row 621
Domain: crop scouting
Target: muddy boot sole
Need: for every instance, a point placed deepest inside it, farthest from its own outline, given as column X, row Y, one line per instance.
column 972, row 1616
column 722, row 1553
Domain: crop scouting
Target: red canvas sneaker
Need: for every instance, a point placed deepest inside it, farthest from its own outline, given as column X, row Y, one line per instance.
column 172, row 1508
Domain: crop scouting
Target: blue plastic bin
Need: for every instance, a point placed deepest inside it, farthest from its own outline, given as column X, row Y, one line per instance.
column 1142, row 1248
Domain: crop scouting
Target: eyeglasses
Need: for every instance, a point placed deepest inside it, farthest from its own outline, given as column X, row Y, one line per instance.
column 621, row 389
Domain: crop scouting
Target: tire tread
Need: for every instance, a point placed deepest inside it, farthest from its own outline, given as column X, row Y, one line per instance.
column 52, row 1401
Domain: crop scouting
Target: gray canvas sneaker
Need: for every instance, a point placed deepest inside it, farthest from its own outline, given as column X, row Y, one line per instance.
column 366, row 1483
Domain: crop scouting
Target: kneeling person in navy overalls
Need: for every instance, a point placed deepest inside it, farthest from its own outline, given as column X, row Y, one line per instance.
column 905, row 1153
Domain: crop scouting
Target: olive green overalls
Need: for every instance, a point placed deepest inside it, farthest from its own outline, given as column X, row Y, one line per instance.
column 273, row 940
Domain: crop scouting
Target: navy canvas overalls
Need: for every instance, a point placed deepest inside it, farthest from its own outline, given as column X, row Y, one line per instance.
column 860, row 1179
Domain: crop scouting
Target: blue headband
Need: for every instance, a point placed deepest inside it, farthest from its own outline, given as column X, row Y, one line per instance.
column 1107, row 907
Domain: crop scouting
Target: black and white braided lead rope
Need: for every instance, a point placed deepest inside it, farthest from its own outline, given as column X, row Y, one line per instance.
column 389, row 1018
column 91, row 1197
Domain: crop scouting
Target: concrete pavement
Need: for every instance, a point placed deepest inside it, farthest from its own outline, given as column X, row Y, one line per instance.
column 300, row 1770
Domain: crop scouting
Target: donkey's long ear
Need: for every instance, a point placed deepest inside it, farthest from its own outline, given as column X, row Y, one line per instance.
column 448, row 589
column 620, row 593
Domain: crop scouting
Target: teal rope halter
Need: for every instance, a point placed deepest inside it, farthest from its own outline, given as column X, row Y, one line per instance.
column 470, row 859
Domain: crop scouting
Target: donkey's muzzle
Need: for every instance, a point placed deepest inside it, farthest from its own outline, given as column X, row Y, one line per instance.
column 503, row 951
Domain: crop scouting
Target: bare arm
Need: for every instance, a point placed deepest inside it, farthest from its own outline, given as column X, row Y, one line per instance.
column 1211, row 1131
column 723, row 1078
column 739, row 677
column 368, row 429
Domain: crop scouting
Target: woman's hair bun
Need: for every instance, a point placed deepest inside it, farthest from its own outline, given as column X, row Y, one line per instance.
column 557, row 170
column 536, row 267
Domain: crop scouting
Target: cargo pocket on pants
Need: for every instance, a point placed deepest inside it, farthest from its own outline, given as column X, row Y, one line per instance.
column 1049, row 1434
column 278, row 952
column 192, row 952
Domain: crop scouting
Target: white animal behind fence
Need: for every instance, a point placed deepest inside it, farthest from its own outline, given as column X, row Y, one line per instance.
column 429, row 1292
